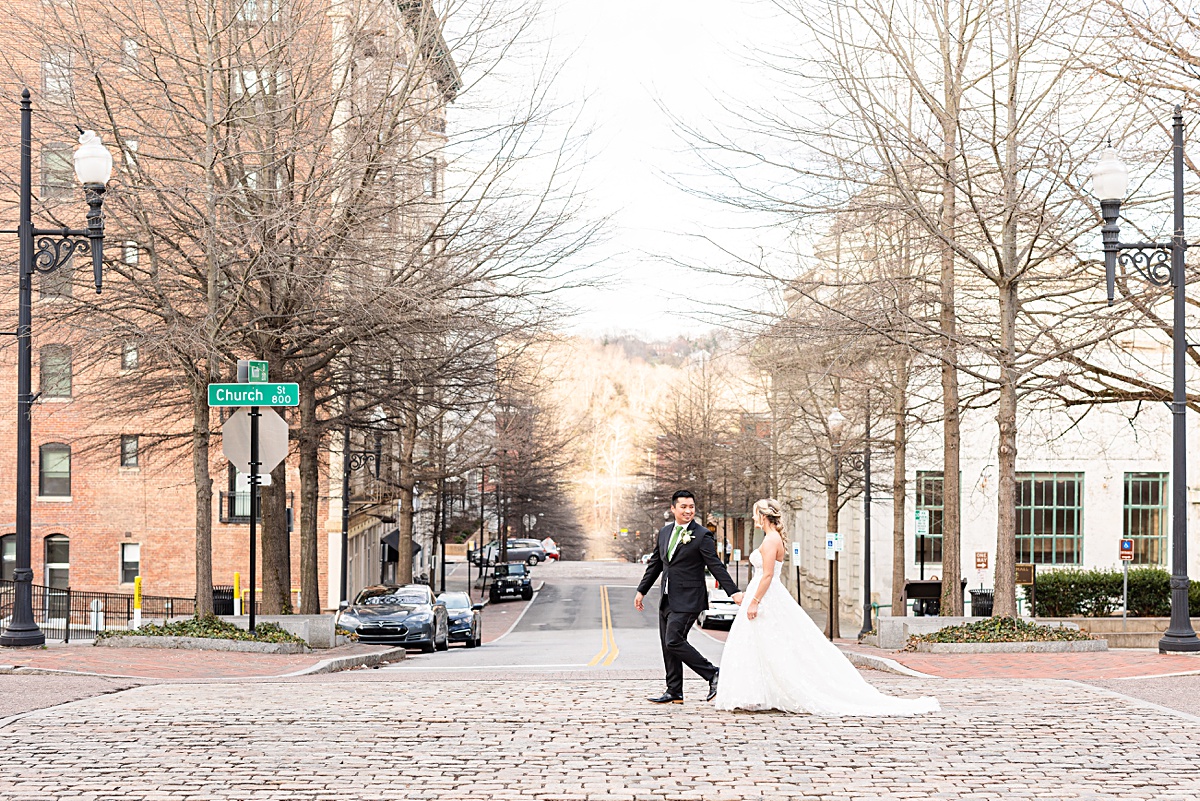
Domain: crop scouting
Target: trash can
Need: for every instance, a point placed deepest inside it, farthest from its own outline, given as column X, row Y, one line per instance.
column 223, row 600
column 981, row 602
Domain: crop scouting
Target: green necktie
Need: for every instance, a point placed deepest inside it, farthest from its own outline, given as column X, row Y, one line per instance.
column 674, row 541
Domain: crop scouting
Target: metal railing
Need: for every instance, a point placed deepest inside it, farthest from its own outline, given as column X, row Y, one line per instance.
column 235, row 506
column 64, row 614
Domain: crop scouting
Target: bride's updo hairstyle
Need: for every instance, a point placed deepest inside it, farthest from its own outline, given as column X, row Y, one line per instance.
column 769, row 508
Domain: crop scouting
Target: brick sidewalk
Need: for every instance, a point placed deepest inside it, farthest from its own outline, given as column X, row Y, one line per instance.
column 167, row 665
column 1118, row 663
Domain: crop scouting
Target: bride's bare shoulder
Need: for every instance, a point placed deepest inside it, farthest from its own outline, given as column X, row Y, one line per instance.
column 774, row 542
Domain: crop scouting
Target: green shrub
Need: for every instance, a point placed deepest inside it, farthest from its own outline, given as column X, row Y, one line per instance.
column 999, row 629
column 1097, row 593
column 209, row 626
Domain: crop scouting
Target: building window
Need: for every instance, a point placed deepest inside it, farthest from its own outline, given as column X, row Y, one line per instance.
column 1050, row 518
column 58, row 562
column 54, row 361
column 129, row 356
column 130, row 51
column 1146, row 517
column 58, row 171
column 929, row 499
column 56, row 76
column 8, row 556
column 54, row 477
column 131, row 561
column 56, row 283
column 129, row 253
column 129, row 450
column 431, row 177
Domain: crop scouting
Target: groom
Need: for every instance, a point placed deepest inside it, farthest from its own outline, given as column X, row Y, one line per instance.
column 683, row 550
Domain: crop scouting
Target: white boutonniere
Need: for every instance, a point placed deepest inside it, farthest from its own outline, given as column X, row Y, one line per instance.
column 686, row 538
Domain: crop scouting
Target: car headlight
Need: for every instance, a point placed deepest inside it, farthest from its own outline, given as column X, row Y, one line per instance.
column 419, row 617
column 348, row 622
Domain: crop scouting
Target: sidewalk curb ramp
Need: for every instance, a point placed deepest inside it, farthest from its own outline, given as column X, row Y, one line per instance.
column 338, row 663
column 873, row 662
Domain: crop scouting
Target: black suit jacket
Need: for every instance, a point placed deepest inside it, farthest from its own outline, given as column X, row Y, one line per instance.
column 687, row 588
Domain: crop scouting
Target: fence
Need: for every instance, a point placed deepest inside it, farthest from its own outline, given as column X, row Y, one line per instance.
column 66, row 613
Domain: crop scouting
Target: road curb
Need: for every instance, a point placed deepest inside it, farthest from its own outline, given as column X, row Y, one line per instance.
column 339, row 663
column 862, row 660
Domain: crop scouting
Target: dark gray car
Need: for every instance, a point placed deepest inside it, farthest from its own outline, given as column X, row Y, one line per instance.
column 392, row 615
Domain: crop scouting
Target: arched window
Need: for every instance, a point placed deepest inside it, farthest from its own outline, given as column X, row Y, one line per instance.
column 54, row 470
column 8, row 556
column 58, row 561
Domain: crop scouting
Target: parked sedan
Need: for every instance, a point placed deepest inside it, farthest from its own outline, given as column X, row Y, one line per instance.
column 466, row 624
column 388, row 614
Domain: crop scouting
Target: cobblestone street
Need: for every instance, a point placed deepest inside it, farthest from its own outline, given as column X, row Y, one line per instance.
column 382, row 734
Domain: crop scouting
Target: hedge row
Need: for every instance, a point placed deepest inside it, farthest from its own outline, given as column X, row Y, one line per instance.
column 1097, row 593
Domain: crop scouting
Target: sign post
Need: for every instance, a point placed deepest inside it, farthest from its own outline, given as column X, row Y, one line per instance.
column 1027, row 574
column 1126, row 558
column 922, row 533
column 833, row 546
column 254, row 391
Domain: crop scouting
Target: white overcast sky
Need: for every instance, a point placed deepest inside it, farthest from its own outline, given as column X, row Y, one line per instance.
column 624, row 61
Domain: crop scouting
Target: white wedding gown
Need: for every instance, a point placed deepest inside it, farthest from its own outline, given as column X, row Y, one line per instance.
column 781, row 660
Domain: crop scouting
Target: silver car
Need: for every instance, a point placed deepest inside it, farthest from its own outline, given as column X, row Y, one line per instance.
column 531, row 552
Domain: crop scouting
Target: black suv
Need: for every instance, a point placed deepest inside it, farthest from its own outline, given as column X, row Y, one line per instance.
column 509, row 581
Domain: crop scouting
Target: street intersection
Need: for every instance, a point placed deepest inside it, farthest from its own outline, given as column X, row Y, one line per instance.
column 532, row 715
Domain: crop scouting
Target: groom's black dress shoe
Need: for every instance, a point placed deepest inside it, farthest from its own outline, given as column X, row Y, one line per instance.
column 712, row 686
column 667, row 698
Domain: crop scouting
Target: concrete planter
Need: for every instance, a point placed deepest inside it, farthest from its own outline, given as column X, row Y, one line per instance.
column 893, row 632
column 316, row 630
column 1062, row 647
column 202, row 644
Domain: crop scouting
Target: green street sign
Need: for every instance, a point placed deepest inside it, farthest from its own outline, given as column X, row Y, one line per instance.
column 258, row 372
column 253, row 394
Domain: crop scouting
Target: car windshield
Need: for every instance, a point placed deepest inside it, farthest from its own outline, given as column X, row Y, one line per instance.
column 457, row 601
column 510, row 570
column 389, row 597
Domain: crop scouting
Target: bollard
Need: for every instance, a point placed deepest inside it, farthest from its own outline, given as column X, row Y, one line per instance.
column 237, row 593
column 137, row 602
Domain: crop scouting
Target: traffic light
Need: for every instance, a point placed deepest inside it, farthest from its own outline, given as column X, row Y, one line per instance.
column 614, row 535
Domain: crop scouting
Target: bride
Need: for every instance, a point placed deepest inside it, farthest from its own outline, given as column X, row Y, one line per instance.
column 777, row 658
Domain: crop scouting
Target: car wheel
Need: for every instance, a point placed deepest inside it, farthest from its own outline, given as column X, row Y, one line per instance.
column 527, row 593
column 427, row 647
column 494, row 597
column 445, row 642
column 532, row 560
column 471, row 641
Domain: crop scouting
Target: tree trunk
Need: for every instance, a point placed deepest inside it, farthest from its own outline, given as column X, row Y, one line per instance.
column 408, row 438
column 1005, row 604
column 310, row 486
column 202, row 478
column 276, row 546
column 899, row 484
column 951, row 601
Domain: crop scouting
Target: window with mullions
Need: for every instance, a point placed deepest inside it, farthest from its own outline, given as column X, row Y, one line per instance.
column 930, row 488
column 58, row 171
column 1146, row 517
column 1050, row 518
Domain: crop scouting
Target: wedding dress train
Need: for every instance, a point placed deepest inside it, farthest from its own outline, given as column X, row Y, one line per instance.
column 781, row 660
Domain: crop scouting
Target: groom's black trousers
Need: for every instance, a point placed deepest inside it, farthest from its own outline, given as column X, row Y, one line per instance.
column 673, row 628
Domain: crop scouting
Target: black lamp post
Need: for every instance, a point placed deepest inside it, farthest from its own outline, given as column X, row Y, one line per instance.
column 351, row 461
column 43, row 251
column 1160, row 263
column 856, row 461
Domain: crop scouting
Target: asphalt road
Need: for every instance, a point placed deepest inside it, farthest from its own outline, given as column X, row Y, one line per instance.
column 582, row 619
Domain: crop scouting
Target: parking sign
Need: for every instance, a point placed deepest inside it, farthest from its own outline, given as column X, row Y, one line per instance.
column 1126, row 550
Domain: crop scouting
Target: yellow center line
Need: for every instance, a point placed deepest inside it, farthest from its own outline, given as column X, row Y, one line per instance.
column 612, row 634
column 608, row 642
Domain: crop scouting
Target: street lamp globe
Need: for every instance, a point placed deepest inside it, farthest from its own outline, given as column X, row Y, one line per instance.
column 93, row 162
column 837, row 424
column 1110, row 179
